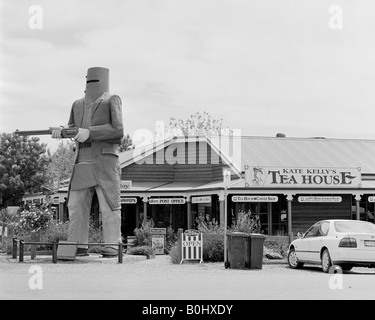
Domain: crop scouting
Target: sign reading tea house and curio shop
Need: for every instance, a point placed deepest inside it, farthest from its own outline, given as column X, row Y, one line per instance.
column 307, row 177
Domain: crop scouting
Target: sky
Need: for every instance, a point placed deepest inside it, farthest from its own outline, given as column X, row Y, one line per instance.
column 302, row 68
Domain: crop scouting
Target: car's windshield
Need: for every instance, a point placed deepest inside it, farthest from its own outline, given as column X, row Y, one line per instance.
column 354, row 226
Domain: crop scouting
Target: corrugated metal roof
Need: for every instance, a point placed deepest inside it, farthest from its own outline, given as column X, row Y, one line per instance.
column 284, row 152
column 306, row 152
column 176, row 186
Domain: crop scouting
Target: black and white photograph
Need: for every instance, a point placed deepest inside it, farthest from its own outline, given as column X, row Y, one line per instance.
column 187, row 157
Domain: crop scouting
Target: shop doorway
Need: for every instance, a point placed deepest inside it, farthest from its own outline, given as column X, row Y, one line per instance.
column 169, row 215
column 128, row 219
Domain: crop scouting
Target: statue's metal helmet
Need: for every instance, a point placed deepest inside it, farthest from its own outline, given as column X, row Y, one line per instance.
column 97, row 83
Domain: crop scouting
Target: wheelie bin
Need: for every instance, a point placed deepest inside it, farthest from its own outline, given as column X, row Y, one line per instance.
column 238, row 249
column 245, row 251
column 256, row 241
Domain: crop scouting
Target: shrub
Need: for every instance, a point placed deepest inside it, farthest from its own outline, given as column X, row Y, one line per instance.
column 246, row 222
column 95, row 233
column 142, row 250
column 143, row 237
column 213, row 250
column 278, row 247
column 37, row 217
column 56, row 231
column 173, row 254
column 211, row 226
column 170, row 240
column 6, row 247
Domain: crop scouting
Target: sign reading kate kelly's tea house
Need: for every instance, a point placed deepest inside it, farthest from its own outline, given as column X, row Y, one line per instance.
column 307, row 177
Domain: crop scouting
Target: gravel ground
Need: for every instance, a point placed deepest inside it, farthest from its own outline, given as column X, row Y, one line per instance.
column 139, row 278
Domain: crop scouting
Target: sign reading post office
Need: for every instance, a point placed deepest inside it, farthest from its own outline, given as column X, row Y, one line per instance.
column 308, row 177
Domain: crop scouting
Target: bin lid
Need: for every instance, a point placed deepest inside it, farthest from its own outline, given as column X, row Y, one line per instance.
column 238, row 234
column 257, row 235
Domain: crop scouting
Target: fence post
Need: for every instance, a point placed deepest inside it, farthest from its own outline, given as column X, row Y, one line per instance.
column 179, row 242
column 21, row 251
column 33, row 246
column 14, row 253
column 120, row 249
column 54, row 252
column 2, row 234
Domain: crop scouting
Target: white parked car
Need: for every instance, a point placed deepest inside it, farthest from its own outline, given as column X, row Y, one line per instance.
column 346, row 243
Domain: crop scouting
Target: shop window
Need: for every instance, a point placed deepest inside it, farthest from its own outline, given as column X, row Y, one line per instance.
column 366, row 209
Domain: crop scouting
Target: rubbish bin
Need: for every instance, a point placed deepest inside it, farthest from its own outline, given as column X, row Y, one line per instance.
column 245, row 251
column 238, row 249
column 256, row 250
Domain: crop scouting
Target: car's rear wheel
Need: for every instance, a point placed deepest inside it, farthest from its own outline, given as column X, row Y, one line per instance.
column 293, row 260
column 326, row 261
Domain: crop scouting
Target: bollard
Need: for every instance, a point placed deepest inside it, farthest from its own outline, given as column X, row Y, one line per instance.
column 54, row 252
column 21, row 251
column 14, row 253
column 120, row 251
column 33, row 246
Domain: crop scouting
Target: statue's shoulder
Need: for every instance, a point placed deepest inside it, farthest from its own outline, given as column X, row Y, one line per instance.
column 78, row 102
column 115, row 99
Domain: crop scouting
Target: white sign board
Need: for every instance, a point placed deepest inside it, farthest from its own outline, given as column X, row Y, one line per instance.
column 307, row 177
column 128, row 200
column 192, row 245
column 167, row 201
column 371, row 199
column 319, row 199
column 158, row 243
column 159, row 231
column 255, row 198
column 206, row 199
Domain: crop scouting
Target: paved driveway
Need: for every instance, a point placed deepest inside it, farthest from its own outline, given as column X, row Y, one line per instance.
column 159, row 279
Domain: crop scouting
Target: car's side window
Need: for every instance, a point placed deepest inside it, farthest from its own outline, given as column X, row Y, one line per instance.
column 323, row 229
column 312, row 232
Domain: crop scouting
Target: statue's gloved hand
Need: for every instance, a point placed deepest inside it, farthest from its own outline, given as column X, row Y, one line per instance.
column 83, row 135
column 56, row 132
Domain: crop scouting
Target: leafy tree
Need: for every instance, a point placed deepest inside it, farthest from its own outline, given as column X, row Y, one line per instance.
column 23, row 162
column 61, row 163
column 196, row 125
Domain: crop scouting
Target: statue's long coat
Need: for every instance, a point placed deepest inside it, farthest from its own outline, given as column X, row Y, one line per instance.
column 106, row 131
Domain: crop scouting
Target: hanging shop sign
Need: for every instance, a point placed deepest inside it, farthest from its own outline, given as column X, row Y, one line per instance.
column 125, row 184
column 128, row 200
column 167, row 201
column 307, row 177
column 319, row 199
column 371, row 199
column 255, row 198
column 206, row 199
